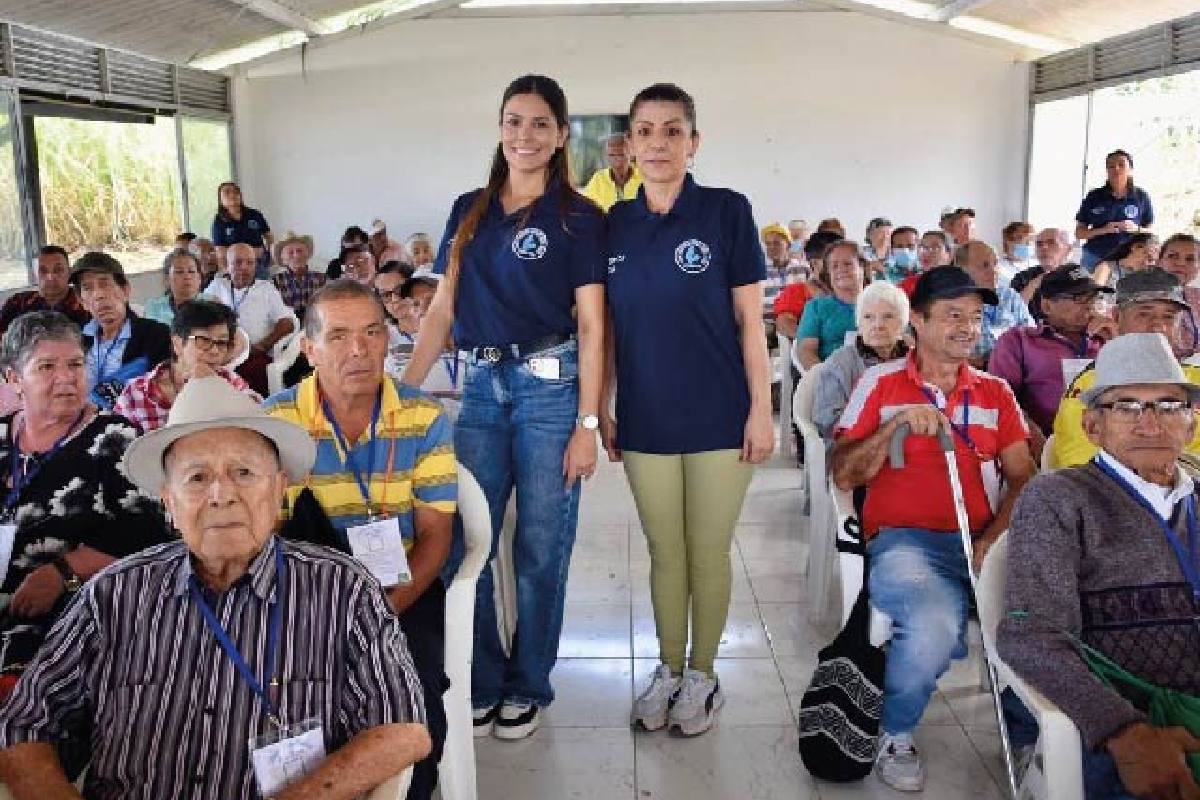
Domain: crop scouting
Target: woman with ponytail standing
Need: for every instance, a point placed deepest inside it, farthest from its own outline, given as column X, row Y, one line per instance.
column 693, row 394
column 523, row 292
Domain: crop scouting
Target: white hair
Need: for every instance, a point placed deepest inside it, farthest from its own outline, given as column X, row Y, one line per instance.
column 882, row 291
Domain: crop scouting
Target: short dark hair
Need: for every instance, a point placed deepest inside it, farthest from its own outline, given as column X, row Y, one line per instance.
column 187, row 236
column 195, row 315
column 665, row 93
column 54, row 250
column 905, row 229
column 341, row 289
column 1120, row 152
column 819, row 242
column 354, row 232
column 1179, row 238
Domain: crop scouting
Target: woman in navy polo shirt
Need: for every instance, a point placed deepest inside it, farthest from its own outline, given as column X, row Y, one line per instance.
column 693, row 393
column 236, row 223
column 1108, row 215
column 523, row 260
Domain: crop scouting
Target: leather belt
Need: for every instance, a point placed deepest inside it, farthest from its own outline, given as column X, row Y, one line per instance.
column 494, row 354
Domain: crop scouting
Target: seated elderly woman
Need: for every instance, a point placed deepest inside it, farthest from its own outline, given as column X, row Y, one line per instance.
column 184, row 278
column 202, row 334
column 1101, row 568
column 881, row 314
column 827, row 320
column 181, row 667
column 68, row 510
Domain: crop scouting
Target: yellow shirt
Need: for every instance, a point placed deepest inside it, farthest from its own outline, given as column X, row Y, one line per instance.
column 603, row 191
column 1071, row 445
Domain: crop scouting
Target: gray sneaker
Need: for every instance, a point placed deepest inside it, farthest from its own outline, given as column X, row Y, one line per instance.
column 650, row 709
column 695, row 704
column 899, row 764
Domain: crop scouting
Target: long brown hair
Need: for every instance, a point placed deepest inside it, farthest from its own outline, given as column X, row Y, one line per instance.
column 559, row 168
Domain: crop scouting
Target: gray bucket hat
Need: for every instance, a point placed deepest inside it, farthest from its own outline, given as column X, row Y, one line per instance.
column 1137, row 358
column 1150, row 284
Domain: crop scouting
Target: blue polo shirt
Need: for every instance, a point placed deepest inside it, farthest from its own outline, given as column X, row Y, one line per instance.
column 247, row 230
column 1100, row 207
column 519, row 272
column 681, row 381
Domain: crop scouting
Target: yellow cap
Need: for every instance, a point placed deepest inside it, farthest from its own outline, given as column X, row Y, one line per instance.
column 776, row 228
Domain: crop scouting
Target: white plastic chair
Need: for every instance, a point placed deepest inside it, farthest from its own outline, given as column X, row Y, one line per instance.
column 282, row 362
column 456, row 773
column 850, row 565
column 821, row 532
column 1048, row 464
column 1056, row 771
column 784, row 368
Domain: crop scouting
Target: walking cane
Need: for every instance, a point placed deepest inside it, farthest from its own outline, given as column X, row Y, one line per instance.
column 946, row 442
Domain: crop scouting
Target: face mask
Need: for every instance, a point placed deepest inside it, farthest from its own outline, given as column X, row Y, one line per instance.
column 904, row 257
column 796, row 247
column 1022, row 252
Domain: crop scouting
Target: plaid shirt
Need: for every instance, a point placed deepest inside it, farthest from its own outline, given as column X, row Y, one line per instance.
column 24, row 302
column 296, row 291
column 142, row 402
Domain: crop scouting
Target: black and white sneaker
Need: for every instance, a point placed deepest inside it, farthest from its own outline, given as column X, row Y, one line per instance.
column 516, row 721
column 483, row 719
column 695, row 704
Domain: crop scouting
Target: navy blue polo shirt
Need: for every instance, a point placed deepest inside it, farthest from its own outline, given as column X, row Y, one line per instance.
column 681, row 380
column 519, row 272
column 247, row 230
column 1100, row 207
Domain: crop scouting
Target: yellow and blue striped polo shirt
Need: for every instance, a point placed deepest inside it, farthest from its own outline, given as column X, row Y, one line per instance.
column 414, row 456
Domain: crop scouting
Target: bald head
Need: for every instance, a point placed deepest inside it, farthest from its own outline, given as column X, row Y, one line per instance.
column 979, row 260
column 241, row 261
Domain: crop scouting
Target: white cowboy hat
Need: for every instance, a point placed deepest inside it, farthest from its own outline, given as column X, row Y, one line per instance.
column 210, row 403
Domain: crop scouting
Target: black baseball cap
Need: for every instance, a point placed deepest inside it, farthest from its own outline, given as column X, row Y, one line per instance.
column 1070, row 280
column 947, row 283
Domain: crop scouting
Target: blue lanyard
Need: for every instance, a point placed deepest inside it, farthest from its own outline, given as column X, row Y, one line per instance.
column 964, row 430
column 275, row 615
column 351, row 463
column 21, row 478
column 1188, row 557
column 102, row 359
column 233, row 296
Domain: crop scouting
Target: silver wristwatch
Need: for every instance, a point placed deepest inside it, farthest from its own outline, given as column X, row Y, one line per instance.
column 589, row 422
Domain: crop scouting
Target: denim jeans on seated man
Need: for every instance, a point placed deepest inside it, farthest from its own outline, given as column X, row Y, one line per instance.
column 511, row 433
column 919, row 579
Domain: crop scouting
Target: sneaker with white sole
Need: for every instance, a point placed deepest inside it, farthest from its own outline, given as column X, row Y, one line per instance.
column 516, row 721
column 651, row 707
column 694, row 707
column 899, row 764
column 483, row 719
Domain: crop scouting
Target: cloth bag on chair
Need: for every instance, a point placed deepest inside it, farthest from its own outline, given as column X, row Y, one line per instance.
column 841, row 709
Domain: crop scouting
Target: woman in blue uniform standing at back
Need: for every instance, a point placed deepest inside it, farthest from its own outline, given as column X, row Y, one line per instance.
column 523, row 260
column 1109, row 215
column 693, row 394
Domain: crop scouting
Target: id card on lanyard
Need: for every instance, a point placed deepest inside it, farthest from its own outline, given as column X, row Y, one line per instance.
column 287, row 752
column 377, row 544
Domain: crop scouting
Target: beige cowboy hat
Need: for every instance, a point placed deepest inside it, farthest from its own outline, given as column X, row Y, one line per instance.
column 210, row 403
column 292, row 238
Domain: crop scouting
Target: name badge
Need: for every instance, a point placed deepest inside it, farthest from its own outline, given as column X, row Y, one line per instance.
column 1071, row 367
column 8, row 534
column 545, row 368
column 379, row 546
column 284, row 756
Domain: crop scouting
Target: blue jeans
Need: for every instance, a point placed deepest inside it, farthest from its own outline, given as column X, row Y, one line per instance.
column 919, row 579
column 512, row 432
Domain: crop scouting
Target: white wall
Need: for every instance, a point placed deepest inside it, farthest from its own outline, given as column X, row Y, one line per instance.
column 809, row 114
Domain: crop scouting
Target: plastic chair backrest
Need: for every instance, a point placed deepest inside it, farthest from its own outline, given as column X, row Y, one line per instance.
column 280, row 365
column 1048, row 464
column 395, row 788
column 989, row 589
column 802, row 403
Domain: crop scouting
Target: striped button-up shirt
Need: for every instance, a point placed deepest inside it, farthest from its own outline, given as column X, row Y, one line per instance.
column 133, row 683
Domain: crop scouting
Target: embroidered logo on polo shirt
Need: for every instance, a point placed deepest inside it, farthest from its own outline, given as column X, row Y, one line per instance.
column 612, row 263
column 693, row 256
column 229, row 231
column 253, row 223
column 530, row 243
column 1131, row 211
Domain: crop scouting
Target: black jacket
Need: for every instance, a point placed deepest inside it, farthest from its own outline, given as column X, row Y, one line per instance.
column 147, row 338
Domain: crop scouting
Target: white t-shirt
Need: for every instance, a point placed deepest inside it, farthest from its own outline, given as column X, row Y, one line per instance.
column 258, row 307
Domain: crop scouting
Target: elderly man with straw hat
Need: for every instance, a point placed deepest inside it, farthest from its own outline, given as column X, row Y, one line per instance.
column 296, row 282
column 229, row 664
column 1103, row 585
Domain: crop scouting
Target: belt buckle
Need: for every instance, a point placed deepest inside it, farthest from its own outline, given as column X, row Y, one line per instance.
column 492, row 354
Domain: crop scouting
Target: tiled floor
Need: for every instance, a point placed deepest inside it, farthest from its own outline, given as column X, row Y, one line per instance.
column 586, row 749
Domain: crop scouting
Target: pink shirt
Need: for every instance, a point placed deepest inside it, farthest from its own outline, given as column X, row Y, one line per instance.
column 1031, row 360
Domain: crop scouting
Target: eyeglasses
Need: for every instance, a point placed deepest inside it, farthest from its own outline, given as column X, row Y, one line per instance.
column 390, row 295
column 207, row 343
column 1132, row 411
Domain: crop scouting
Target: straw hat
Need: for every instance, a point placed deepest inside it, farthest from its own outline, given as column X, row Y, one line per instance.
column 1137, row 358
column 292, row 238
column 207, row 404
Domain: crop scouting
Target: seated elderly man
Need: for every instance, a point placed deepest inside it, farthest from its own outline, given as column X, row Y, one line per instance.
column 53, row 292
column 1051, row 248
column 1102, row 555
column 384, row 472
column 261, row 312
column 191, row 669
column 918, row 571
column 1149, row 301
column 1009, row 311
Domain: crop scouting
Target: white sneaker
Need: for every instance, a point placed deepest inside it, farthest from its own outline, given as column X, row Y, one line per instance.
column 516, row 721
column 694, row 707
column 899, row 764
column 650, row 709
column 482, row 720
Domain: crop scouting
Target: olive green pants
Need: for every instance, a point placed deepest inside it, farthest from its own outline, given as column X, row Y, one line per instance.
column 689, row 505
